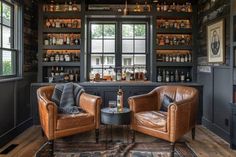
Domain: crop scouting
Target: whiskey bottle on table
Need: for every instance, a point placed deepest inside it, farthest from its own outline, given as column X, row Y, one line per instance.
column 120, row 100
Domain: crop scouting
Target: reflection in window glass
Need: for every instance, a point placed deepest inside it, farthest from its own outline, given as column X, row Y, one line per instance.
column 127, row 46
column 103, row 46
column 127, row 60
column 140, row 46
column 96, row 31
column 7, row 37
column 127, row 31
column 8, row 58
column 6, row 14
column 140, row 60
column 96, row 61
column 109, row 46
column 109, row 31
column 96, row 46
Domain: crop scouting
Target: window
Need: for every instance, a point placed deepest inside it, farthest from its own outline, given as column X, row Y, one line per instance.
column 134, row 49
column 9, row 33
column 121, row 46
column 103, row 46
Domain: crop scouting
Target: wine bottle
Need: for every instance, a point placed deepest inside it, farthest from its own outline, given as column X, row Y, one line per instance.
column 159, row 76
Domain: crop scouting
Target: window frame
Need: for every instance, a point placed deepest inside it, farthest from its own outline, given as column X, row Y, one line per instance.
column 17, row 41
column 118, row 40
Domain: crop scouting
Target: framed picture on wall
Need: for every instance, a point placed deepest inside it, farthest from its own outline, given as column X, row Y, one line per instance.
column 216, row 42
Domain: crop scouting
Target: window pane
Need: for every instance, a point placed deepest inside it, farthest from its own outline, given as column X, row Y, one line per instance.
column 139, row 46
column 127, row 46
column 127, row 61
column 6, row 14
column 8, row 60
column 140, row 31
column 127, row 31
column 139, row 60
column 96, row 46
column 7, row 39
column 96, row 31
column 109, row 45
column 109, row 31
column 109, row 61
column 96, row 61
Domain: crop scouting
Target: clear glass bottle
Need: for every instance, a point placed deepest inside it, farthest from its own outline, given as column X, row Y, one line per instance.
column 119, row 100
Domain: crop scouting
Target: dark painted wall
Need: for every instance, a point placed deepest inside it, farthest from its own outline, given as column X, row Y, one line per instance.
column 15, row 109
column 217, row 80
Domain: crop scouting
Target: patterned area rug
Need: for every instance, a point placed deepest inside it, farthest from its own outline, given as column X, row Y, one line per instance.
column 83, row 145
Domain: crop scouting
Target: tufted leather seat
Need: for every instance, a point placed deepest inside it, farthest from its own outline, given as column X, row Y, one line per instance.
column 171, row 125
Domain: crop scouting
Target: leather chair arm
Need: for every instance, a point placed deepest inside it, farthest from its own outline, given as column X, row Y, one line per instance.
column 48, row 116
column 144, row 102
column 179, row 115
column 91, row 104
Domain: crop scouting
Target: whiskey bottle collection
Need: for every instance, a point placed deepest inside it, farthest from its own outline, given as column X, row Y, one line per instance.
column 66, row 7
column 62, row 39
column 174, row 7
column 63, row 23
column 173, row 40
column 66, row 75
column 174, row 24
column 174, row 57
column 176, row 75
column 61, row 57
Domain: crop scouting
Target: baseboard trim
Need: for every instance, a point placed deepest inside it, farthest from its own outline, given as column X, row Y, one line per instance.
column 7, row 137
column 216, row 129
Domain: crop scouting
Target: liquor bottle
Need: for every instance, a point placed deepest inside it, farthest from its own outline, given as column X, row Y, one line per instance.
column 52, row 72
column 163, row 75
column 57, row 23
column 48, row 23
column 74, row 6
column 62, row 57
column 66, row 7
column 167, row 58
column 57, row 71
column 54, row 40
column 186, row 58
column 52, row 57
column 68, row 40
column 167, row 41
column 61, row 71
column 172, row 77
column 57, row 7
column 189, row 57
column 70, row 8
column 188, row 78
column 77, row 76
column 57, row 57
column 178, row 58
column 182, row 24
column 159, row 77
column 120, row 100
column 176, row 76
column 118, row 77
column 182, row 58
column 167, row 76
column 71, row 76
column 182, row 76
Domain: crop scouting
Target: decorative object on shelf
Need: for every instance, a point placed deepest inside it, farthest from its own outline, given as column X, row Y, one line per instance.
column 216, row 42
column 137, row 8
column 126, row 8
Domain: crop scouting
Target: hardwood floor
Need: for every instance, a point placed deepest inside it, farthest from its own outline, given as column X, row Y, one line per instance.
column 206, row 144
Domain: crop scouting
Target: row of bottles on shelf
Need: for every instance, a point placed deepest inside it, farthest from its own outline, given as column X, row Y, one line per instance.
column 63, row 23
column 165, row 75
column 164, row 7
column 120, row 75
column 62, row 39
column 173, row 40
column 177, row 24
column 61, row 57
column 56, row 7
column 72, row 75
column 174, row 57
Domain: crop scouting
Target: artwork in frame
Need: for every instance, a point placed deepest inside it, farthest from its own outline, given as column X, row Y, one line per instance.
column 216, row 42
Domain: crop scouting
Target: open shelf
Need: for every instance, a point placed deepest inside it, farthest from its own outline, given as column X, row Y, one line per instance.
column 176, row 15
column 61, row 47
column 174, row 64
column 172, row 47
column 72, row 14
column 62, row 30
column 174, row 31
column 64, row 64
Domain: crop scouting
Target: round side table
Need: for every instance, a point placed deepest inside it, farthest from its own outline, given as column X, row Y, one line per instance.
column 110, row 116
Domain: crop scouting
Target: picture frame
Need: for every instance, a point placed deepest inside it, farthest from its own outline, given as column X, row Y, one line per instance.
column 216, row 42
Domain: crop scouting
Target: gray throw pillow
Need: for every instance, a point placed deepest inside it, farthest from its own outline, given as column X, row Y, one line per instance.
column 166, row 102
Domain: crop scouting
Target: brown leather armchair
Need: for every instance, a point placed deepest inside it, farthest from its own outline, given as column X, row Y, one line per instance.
column 57, row 125
column 171, row 125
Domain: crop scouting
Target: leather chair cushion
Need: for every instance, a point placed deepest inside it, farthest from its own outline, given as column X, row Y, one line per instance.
column 152, row 119
column 67, row 121
column 166, row 102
